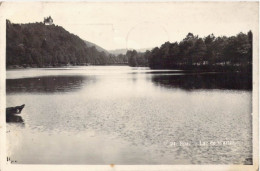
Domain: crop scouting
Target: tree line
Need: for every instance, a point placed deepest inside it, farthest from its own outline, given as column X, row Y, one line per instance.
column 40, row 45
column 193, row 52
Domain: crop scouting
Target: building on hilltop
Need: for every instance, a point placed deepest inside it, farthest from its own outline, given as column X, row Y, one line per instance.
column 48, row 20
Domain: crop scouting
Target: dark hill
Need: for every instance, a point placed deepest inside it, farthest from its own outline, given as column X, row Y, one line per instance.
column 40, row 45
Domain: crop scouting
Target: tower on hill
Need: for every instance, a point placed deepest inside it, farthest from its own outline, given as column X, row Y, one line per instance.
column 48, row 20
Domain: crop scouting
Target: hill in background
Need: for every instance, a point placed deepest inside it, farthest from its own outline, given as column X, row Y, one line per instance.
column 40, row 45
column 100, row 49
column 124, row 51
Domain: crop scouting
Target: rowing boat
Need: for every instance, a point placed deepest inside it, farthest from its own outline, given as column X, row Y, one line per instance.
column 14, row 110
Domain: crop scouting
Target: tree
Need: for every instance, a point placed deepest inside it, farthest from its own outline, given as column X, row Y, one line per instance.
column 210, row 54
column 250, row 49
column 198, row 52
column 132, row 55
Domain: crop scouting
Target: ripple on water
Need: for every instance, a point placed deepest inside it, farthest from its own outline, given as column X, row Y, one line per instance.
column 144, row 116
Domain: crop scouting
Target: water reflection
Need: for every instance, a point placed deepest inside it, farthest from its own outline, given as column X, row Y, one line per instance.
column 230, row 81
column 120, row 108
column 14, row 119
column 46, row 84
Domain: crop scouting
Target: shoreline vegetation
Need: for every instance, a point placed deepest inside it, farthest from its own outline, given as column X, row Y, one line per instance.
column 37, row 45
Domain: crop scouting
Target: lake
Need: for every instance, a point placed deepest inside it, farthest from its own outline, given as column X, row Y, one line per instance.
column 124, row 115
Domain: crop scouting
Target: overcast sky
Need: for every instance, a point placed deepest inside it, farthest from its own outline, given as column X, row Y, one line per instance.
column 139, row 25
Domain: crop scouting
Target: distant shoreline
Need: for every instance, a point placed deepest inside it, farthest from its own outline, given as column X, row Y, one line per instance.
column 186, row 69
column 56, row 66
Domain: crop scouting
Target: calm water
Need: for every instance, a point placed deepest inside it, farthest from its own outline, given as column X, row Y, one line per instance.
column 123, row 115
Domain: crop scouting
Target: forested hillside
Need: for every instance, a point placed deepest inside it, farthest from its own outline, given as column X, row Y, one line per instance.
column 40, row 45
column 193, row 52
column 100, row 49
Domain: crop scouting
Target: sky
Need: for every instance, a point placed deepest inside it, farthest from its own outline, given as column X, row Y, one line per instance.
column 125, row 25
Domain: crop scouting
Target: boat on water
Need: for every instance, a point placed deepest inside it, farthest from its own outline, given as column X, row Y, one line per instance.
column 14, row 110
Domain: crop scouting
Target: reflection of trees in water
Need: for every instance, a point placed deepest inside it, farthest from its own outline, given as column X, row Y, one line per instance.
column 232, row 81
column 45, row 84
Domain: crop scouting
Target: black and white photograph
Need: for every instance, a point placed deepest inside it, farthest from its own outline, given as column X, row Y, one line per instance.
column 121, row 85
